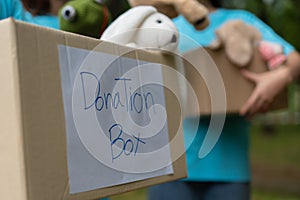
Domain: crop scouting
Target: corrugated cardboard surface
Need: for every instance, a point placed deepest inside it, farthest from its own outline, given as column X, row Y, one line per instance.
column 237, row 88
column 11, row 145
column 33, row 138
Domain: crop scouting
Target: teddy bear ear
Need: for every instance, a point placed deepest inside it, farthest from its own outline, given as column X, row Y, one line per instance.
column 237, row 41
column 241, row 46
column 122, row 29
column 239, row 52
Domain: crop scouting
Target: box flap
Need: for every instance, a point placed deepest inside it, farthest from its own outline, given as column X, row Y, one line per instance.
column 12, row 173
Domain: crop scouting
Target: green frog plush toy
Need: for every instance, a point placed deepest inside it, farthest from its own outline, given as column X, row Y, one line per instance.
column 85, row 17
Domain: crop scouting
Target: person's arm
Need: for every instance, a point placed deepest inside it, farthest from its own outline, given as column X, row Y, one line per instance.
column 270, row 84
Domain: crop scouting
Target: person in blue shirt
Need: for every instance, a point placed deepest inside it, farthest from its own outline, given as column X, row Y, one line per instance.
column 225, row 172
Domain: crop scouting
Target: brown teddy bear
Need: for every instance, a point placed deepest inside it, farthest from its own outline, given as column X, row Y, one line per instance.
column 192, row 10
column 238, row 39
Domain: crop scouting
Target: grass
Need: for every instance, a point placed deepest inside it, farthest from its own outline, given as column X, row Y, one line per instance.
column 275, row 157
column 280, row 147
column 271, row 195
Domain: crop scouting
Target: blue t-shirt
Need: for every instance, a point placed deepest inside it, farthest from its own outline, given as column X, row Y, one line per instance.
column 15, row 9
column 229, row 159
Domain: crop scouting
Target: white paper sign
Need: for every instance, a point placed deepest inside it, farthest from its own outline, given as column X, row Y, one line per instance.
column 115, row 119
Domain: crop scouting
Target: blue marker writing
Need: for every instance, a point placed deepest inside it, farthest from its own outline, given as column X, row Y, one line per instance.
column 126, row 146
column 104, row 100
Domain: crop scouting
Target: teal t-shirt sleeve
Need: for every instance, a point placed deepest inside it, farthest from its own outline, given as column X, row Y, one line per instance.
column 5, row 9
column 267, row 32
column 15, row 9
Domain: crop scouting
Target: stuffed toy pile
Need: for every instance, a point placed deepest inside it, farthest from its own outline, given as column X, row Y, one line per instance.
column 85, row 17
column 194, row 12
column 143, row 27
column 240, row 40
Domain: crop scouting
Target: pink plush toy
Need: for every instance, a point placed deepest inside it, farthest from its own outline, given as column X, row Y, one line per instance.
column 272, row 53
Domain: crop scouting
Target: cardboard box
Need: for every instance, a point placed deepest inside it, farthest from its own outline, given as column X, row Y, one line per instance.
column 217, row 72
column 33, row 142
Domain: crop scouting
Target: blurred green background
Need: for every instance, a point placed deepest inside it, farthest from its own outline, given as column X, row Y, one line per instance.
column 275, row 137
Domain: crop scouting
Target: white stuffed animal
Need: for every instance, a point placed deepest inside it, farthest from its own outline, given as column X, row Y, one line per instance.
column 143, row 27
